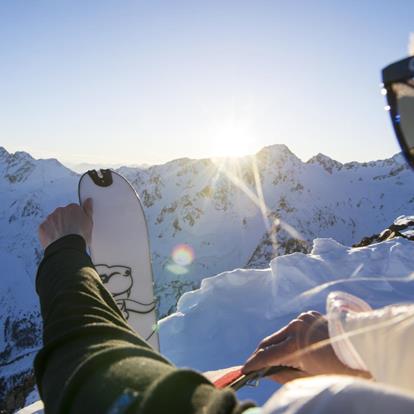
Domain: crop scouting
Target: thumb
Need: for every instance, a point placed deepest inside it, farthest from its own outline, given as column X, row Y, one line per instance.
column 88, row 207
column 256, row 362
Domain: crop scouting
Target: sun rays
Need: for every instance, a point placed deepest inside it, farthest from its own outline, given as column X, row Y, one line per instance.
column 234, row 169
column 238, row 178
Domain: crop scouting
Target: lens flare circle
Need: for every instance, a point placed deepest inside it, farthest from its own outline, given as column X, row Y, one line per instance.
column 176, row 269
column 182, row 255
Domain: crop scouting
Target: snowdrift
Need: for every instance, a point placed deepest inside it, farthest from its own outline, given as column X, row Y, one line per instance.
column 221, row 323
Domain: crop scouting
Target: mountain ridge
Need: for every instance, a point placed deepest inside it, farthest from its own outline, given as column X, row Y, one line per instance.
column 268, row 148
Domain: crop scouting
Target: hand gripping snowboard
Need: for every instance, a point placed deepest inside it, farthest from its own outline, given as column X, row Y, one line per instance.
column 120, row 248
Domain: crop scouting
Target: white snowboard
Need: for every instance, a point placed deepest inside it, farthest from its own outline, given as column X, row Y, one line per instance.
column 120, row 248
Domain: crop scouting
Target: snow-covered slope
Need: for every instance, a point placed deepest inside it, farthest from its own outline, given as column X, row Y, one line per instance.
column 227, row 214
column 28, row 190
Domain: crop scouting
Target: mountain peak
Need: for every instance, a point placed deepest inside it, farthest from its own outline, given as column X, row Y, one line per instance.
column 16, row 156
column 22, row 155
column 19, row 166
column 277, row 148
column 327, row 163
column 277, row 152
column 398, row 158
column 3, row 151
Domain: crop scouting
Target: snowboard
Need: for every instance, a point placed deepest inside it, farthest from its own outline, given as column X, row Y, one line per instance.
column 233, row 377
column 120, row 248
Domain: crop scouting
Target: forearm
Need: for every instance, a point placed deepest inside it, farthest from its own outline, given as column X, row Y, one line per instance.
column 91, row 356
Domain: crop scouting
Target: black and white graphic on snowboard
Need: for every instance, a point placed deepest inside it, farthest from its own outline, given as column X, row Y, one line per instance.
column 119, row 281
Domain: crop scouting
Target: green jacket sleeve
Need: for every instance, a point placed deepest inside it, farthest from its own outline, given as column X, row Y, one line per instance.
column 93, row 362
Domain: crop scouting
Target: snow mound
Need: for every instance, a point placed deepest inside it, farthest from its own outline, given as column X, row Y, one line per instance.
column 221, row 323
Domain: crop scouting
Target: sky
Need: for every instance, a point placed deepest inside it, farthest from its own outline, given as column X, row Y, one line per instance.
column 145, row 82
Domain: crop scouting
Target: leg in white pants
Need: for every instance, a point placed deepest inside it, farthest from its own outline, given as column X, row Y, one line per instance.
column 331, row 394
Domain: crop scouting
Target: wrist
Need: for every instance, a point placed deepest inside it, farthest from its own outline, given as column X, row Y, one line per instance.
column 354, row 372
column 68, row 241
column 71, row 242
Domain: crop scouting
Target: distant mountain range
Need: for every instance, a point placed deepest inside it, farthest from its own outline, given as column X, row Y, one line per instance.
column 232, row 213
column 85, row 166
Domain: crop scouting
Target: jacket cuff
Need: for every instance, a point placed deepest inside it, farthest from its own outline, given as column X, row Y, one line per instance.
column 339, row 306
column 71, row 241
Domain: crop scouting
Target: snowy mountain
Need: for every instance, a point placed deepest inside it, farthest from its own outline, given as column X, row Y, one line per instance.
column 227, row 213
column 28, row 189
column 85, row 166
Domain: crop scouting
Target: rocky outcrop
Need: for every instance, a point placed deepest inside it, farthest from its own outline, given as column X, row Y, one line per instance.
column 277, row 241
column 327, row 163
column 402, row 227
column 15, row 389
column 22, row 337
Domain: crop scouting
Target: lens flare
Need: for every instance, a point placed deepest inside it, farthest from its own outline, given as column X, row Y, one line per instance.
column 183, row 255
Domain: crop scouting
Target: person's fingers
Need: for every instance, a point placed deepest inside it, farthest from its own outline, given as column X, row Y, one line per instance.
column 307, row 317
column 273, row 355
column 45, row 231
column 312, row 318
column 281, row 334
column 88, row 207
column 287, row 374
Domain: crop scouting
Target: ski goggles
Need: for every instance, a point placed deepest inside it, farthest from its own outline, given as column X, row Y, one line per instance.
column 398, row 86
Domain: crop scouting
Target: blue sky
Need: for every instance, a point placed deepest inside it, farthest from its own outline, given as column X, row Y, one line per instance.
column 147, row 82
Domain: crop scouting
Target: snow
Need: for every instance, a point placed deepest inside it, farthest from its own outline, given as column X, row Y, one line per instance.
column 32, row 397
column 403, row 220
column 221, row 323
column 16, row 289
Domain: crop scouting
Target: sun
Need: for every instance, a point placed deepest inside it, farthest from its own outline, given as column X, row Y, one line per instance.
column 232, row 138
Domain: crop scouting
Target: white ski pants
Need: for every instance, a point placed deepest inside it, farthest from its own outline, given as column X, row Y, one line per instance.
column 331, row 394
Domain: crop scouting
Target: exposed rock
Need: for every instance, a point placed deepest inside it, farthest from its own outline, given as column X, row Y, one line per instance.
column 402, row 227
column 328, row 164
column 276, row 242
column 14, row 390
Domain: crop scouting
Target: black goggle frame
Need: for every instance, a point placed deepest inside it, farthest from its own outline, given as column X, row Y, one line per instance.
column 398, row 72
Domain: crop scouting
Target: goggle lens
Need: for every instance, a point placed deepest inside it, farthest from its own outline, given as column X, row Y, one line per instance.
column 398, row 81
column 403, row 112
